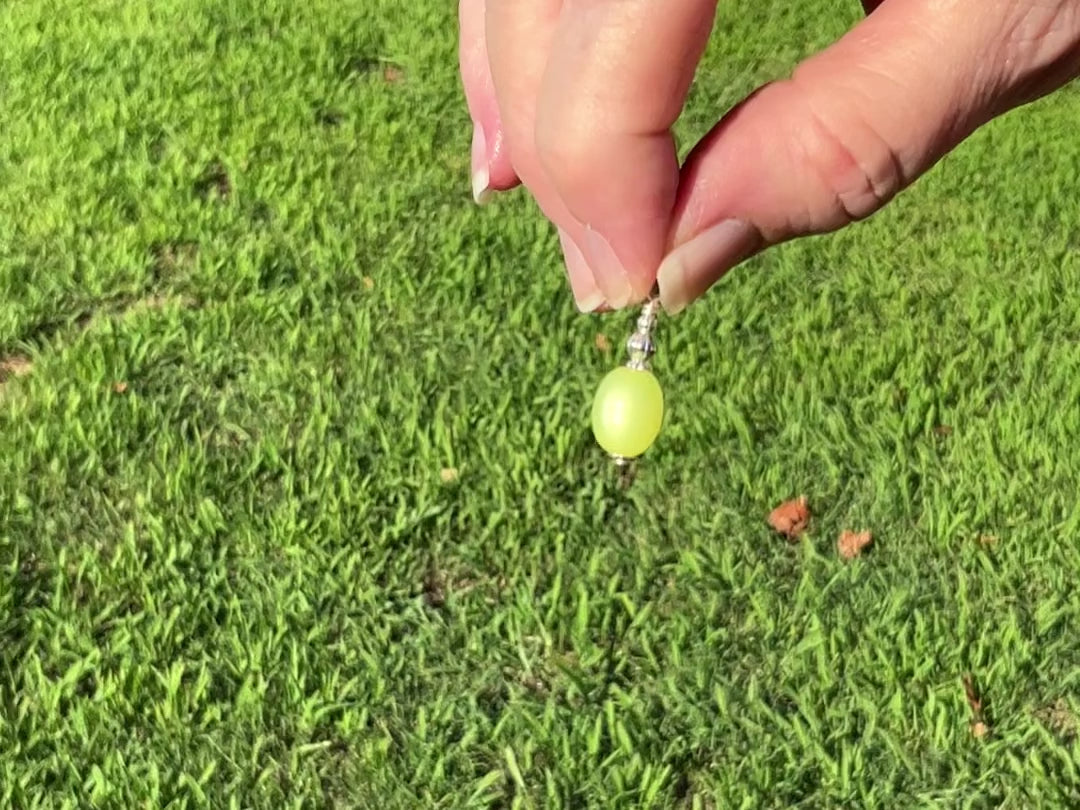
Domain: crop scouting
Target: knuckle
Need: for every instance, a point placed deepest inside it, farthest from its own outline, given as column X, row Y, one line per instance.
column 1041, row 44
column 856, row 168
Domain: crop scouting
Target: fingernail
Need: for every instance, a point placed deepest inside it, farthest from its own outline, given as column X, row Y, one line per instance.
column 611, row 276
column 587, row 295
column 691, row 269
column 481, row 177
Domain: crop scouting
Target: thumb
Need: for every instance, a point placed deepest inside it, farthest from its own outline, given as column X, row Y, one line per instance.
column 857, row 123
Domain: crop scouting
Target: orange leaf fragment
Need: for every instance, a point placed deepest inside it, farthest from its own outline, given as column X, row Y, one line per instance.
column 851, row 544
column 972, row 696
column 790, row 518
column 979, row 727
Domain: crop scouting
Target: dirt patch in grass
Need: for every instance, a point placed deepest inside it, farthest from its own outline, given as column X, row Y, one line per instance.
column 14, row 365
column 156, row 302
column 213, row 182
column 169, row 257
column 439, row 584
column 1060, row 719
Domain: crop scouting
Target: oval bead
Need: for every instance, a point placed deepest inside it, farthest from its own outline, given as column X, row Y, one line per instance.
column 627, row 412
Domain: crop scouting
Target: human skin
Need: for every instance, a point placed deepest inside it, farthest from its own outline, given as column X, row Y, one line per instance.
column 575, row 99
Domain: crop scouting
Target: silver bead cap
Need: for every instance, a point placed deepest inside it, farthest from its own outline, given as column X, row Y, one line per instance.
column 640, row 346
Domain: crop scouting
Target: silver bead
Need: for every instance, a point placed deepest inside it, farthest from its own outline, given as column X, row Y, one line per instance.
column 640, row 345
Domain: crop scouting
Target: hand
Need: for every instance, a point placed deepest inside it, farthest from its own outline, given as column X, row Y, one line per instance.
column 576, row 99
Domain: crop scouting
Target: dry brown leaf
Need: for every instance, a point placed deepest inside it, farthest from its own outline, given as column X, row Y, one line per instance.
column 851, row 544
column 602, row 342
column 170, row 256
column 448, row 475
column 392, row 74
column 790, row 518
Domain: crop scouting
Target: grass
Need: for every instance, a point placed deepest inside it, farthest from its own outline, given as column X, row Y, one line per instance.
column 298, row 503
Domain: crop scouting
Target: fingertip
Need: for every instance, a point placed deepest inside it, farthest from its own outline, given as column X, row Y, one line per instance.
column 591, row 303
column 490, row 166
column 587, row 295
column 491, row 170
column 501, row 174
column 691, row 269
column 481, row 176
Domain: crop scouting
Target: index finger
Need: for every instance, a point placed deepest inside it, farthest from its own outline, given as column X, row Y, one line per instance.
column 615, row 82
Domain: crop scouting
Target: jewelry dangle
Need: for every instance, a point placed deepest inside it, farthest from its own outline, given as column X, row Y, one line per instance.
column 628, row 408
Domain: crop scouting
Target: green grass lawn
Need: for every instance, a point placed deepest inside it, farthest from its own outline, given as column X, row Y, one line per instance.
column 299, row 506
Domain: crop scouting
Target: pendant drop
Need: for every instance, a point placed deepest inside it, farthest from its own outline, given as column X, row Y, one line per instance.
column 628, row 407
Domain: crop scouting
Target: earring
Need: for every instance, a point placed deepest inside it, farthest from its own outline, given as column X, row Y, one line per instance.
column 628, row 407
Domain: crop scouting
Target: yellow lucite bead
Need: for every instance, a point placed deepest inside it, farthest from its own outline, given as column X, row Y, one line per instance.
column 627, row 412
